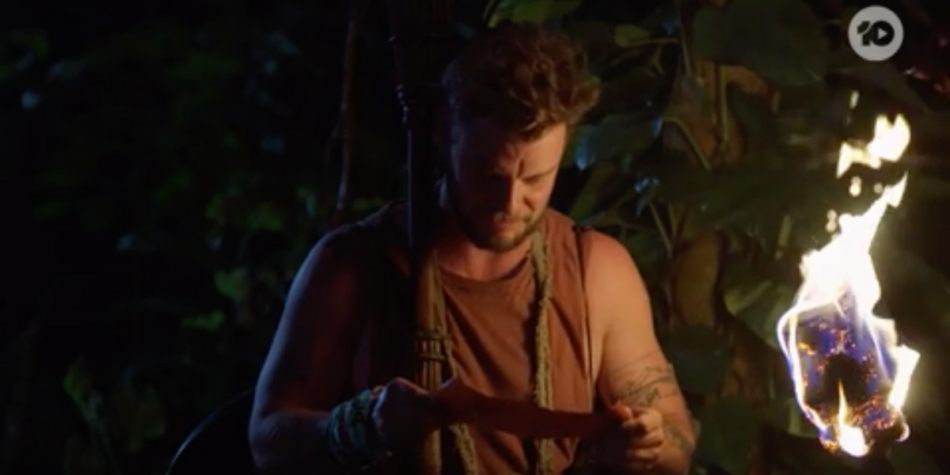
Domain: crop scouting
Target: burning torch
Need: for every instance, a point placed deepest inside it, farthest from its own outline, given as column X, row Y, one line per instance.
column 850, row 375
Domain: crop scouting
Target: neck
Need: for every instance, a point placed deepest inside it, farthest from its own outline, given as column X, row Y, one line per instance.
column 458, row 255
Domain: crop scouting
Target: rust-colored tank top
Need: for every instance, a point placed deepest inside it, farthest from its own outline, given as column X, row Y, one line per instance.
column 491, row 328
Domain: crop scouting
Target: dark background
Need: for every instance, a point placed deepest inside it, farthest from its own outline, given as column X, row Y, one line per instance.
column 168, row 164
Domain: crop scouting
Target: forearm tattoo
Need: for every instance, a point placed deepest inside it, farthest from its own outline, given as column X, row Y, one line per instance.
column 651, row 385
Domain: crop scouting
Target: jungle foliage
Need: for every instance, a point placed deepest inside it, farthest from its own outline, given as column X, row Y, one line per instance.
column 201, row 159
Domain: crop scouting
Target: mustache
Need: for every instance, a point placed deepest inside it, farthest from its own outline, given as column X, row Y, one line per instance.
column 503, row 217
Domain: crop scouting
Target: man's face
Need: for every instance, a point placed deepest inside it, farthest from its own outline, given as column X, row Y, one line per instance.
column 498, row 186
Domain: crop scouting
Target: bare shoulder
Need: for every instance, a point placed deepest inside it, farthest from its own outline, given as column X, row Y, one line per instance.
column 611, row 273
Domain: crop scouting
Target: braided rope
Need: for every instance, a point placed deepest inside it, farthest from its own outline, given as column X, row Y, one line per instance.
column 543, row 387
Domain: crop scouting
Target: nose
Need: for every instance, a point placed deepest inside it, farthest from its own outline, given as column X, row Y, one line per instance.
column 508, row 195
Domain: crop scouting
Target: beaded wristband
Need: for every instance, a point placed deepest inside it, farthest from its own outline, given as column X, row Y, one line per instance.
column 351, row 433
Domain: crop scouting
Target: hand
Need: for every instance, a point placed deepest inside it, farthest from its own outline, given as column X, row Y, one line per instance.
column 404, row 414
column 637, row 443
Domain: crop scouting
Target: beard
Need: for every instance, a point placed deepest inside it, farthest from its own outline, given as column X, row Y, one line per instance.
column 483, row 239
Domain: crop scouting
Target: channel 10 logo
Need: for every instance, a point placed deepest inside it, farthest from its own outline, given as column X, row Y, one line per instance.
column 875, row 33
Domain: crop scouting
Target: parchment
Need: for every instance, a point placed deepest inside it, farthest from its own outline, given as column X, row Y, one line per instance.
column 464, row 404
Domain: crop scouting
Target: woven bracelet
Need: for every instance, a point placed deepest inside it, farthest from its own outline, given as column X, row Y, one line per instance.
column 351, row 433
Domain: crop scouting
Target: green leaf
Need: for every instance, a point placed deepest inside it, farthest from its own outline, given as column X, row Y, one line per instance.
column 783, row 40
column 882, row 75
column 756, row 301
column 78, row 384
column 634, row 89
column 630, row 35
column 209, row 322
column 265, row 217
column 202, row 68
column 602, row 175
column 751, row 197
column 617, row 136
column 217, row 207
column 149, row 421
column 701, row 358
column 647, row 249
column 34, row 40
column 597, row 39
column 532, row 11
column 137, row 418
column 232, row 284
column 908, row 459
column 756, row 120
column 310, row 199
column 784, row 414
column 728, row 435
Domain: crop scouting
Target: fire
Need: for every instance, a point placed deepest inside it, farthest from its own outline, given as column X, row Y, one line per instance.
column 850, row 375
column 888, row 145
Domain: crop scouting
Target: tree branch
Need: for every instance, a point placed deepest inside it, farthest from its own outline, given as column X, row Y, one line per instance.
column 347, row 124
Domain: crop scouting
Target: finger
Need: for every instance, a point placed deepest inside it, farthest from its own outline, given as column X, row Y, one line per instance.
column 643, row 455
column 634, row 427
column 622, row 411
column 640, row 467
column 652, row 418
column 653, row 438
column 648, row 416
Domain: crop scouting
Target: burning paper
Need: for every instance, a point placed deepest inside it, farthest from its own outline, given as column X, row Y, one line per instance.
column 849, row 373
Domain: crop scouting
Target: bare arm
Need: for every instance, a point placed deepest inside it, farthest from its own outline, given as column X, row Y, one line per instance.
column 301, row 379
column 633, row 368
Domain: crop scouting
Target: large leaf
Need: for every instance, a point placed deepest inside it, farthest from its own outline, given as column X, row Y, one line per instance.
column 784, row 414
column 78, row 384
column 600, row 179
column 532, row 11
column 629, row 36
column 647, row 249
column 692, row 281
column 881, row 75
column 616, row 137
column 756, row 301
column 597, row 39
column 633, row 89
column 757, row 122
column 751, row 197
column 728, row 436
column 783, row 40
column 138, row 418
column 700, row 357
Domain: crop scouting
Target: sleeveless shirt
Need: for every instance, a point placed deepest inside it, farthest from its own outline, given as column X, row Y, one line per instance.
column 491, row 329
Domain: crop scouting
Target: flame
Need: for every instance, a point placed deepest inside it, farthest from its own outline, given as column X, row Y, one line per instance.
column 888, row 144
column 850, row 375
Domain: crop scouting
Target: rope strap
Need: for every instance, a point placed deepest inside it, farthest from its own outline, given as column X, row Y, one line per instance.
column 433, row 350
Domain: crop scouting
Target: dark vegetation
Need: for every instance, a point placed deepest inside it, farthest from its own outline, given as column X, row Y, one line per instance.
column 171, row 163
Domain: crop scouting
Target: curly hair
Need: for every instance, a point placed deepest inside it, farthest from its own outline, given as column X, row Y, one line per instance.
column 523, row 77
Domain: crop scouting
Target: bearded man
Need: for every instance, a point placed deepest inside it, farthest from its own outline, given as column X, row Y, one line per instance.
column 529, row 306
